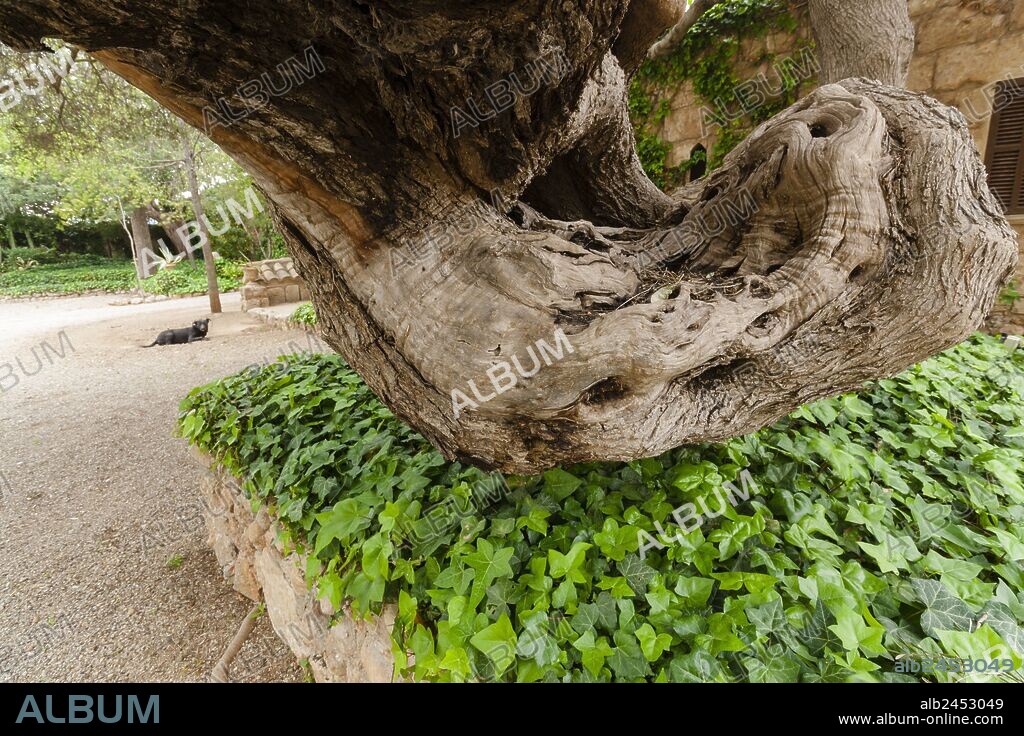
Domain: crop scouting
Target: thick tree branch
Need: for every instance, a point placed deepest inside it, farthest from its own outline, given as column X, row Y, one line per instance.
column 666, row 43
column 853, row 231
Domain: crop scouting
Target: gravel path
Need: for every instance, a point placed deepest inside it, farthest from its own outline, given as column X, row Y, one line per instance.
column 104, row 570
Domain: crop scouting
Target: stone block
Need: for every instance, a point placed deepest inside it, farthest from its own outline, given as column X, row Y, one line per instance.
column 352, row 650
column 292, row 293
column 289, row 605
column 974, row 65
column 955, row 25
column 275, row 295
column 922, row 72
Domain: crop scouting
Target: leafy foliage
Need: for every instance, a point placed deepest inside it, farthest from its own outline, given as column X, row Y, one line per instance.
column 883, row 523
column 190, row 278
column 80, row 155
column 49, row 257
column 707, row 57
column 1009, row 295
column 304, row 314
column 99, row 274
column 74, row 273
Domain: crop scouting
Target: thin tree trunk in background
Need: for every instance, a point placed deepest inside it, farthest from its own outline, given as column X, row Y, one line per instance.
column 128, row 224
column 863, row 38
column 141, row 240
column 197, row 208
column 254, row 234
column 170, row 227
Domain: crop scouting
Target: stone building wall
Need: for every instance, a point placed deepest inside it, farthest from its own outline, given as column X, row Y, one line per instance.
column 338, row 647
column 761, row 64
column 963, row 49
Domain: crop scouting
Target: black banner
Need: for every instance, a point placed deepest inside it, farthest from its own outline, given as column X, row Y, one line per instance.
column 173, row 708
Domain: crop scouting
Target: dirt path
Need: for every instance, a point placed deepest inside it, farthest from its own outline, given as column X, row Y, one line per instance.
column 104, row 569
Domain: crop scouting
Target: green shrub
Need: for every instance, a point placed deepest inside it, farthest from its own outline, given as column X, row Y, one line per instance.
column 1009, row 295
column 52, row 257
column 707, row 57
column 102, row 275
column 304, row 314
column 190, row 278
column 884, row 523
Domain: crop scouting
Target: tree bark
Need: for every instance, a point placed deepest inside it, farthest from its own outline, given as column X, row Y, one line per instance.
column 847, row 238
column 171, row 226
column 141, row 238
column 863, row 38
column 212, row 287
column 685, row 22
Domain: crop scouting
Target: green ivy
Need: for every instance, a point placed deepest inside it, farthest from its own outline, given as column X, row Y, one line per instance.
column 190, row 278
column 878, row 524
column 1009, row 295
column 304, row 314
column 706, row 56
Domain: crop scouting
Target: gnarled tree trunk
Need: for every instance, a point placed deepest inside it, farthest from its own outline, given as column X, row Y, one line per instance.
column 845, row 239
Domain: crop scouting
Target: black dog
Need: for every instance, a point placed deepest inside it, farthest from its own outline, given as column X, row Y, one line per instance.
column 196, row 332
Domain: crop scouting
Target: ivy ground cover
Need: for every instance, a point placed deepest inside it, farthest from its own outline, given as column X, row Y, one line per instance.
column 855, row 536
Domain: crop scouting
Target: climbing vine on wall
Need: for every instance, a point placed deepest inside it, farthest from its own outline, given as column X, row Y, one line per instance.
column 707, row 56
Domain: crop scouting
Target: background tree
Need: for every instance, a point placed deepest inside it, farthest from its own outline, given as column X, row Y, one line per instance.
column 854, row 230
column 88, row 148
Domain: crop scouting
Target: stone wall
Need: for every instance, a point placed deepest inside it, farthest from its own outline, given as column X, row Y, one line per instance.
column 338, row 647
column 963, row 49
column 760, row 65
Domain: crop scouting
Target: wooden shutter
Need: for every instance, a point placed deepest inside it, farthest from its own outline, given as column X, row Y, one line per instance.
column 1004, row 155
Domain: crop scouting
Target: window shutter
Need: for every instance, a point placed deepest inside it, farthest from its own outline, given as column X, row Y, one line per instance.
column 1004, row 156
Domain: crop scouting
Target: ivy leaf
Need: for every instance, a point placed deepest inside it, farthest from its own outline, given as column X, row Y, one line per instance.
column 982, row 643
column 637, row 573
column 1009, row 546
column 497, row 642
column 944, row 611
column 768, row 618
column 1001, row 618
column 331, row 587
column 776, row 664
column 652, row 644
column 601, row 614
column 696, row 666
column 559, row 484
column 615, row 541
column 627, row 661
column 489, row 564
column 456, row 661
column 815, row 636
column 594, row 652
column 568, row 565
column 345, row 519
column 565, row 596
column 889, row 559
column 695, row 591
column 536, row 642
